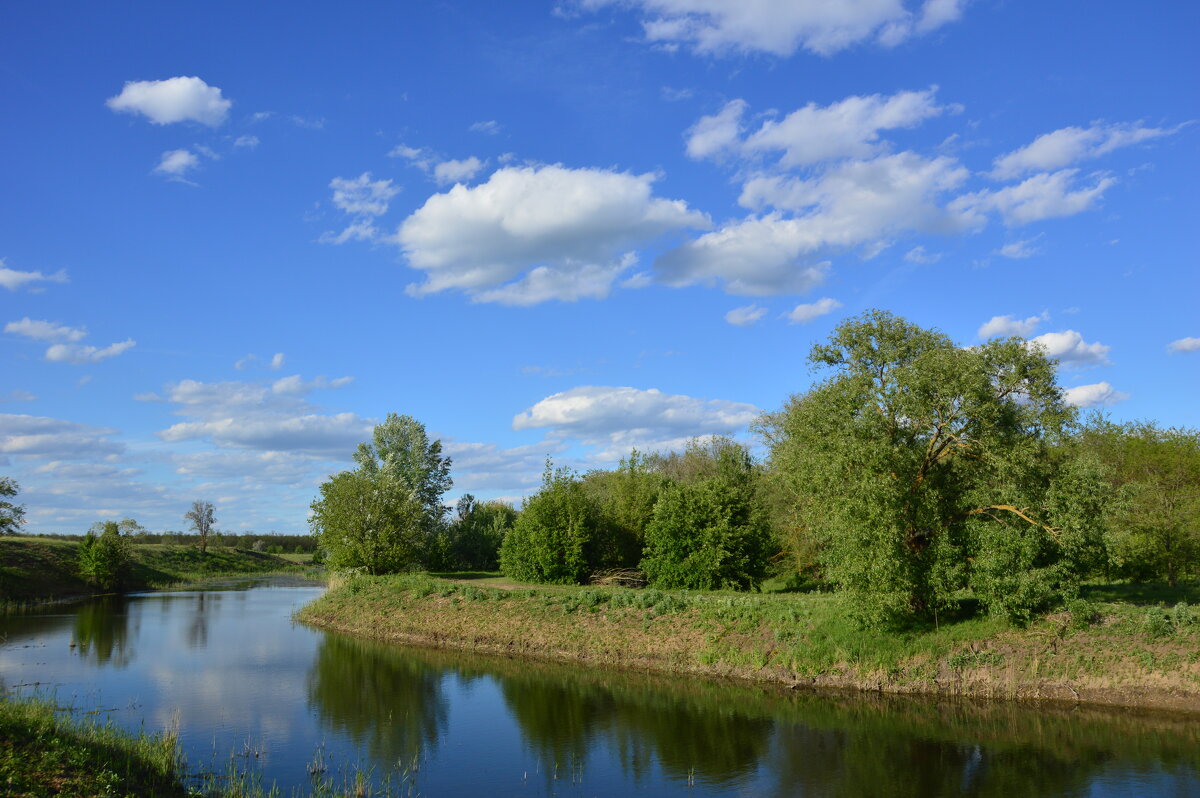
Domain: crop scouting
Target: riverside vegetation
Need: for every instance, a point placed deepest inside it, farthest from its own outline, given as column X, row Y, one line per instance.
column 941, row 516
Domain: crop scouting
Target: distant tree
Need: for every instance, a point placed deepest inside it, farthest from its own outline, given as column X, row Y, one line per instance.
column 709, row 533
column 105, row 556
column 1156, row 530
column 925, row 468
column 201, row 517
column 12, row 516
column 133, row 531
column 370, row 521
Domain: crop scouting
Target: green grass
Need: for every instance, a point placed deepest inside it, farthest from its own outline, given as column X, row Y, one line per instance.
column 44, row 753
column 38, row 569
column 1107, row 651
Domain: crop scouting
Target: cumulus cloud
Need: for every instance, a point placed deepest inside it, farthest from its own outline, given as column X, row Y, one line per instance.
column 486, row 466
column 803, row 314
column 813, row 134
column 490, row 127
column 1070, row 145
column 173, row 100
column 176, row 163
column 530, row 234
column 1008, row 326
column 457, row 171
column 1184, row 345
column 40, row 436
column 17, row 395
column 1069, row 348
column 856, row 203
column 274, row 416
column 48, row 331
column 1100, row 394
column 621, row 418
column 13, row 279
column 918, row 254
column 746, row 316
column 246, row 142
column 1044, row 196
column 781, row 27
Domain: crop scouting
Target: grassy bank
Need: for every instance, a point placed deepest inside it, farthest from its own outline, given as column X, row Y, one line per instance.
column 39, row 569
column 43, row 753
column 1118, row 648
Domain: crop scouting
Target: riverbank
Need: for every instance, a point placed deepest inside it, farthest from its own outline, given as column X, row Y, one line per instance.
column 1117, row 649
column 45, row 569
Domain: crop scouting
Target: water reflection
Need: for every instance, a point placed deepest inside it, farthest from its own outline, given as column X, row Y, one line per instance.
column 101, row 632
column 233, row 670
column 391, row 704
column 713, row 737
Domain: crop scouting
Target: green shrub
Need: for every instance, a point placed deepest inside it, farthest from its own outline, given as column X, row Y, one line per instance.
column 104, row 559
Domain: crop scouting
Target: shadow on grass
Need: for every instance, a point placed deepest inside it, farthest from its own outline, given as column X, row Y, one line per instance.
column 1144, row 593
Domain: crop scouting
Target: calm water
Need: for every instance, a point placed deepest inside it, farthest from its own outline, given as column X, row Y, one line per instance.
column 242, row 680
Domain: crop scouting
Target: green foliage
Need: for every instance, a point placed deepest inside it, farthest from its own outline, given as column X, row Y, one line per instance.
column 12, row 515
column 471, row 541
column 709, row 534
column 1155, row 532
column 382, row 515
column 626, row 497
column 202, row 520
column 401, row 448
column 559, row 537
column 369, row 521
column 105, row 558
column 920, row 468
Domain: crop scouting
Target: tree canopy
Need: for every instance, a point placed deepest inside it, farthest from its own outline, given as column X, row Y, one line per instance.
column 921, row 468
column 12, row 515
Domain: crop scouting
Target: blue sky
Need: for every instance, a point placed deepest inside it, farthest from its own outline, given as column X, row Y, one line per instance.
column 237, row 235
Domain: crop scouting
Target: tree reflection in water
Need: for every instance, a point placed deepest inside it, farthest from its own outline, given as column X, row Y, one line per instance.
column 378, row 695
column 101, row 631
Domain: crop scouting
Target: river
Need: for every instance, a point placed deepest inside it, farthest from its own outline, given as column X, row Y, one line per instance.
column 244, row 683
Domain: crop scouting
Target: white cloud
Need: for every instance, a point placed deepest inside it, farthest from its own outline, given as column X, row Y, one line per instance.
column 1097, row 395
column 1019, row 249
column 490, row 127
column 273, row 416
column 1069, row 348
column 746, row 316
column 1070, row 145
column 1044, row 196
column 621, row 418
column 173, row 100
column 1008, row 326
column 246, row 142
column 45, row 330
column 846, row 129
column 712, row 135
column 362, row 196
column 530, row 234
column 78, row 354
column 853, row 204
column 12, row 279
column 780, row 27
column 486, row 466
column 281, row 468
column 40, row 436
column 754, row 257
column 803, row 314
column 277, row 361
column 1184, row 345
column 176, row 163
column 918, row 255
column 457, row 171
column 419, row 157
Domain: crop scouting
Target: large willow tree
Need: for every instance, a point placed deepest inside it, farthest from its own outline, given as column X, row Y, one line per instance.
column 919, row 468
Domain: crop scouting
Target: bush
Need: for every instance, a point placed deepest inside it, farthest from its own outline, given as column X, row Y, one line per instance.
column 559, row 537
column 709, row 534
column 104, row 559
